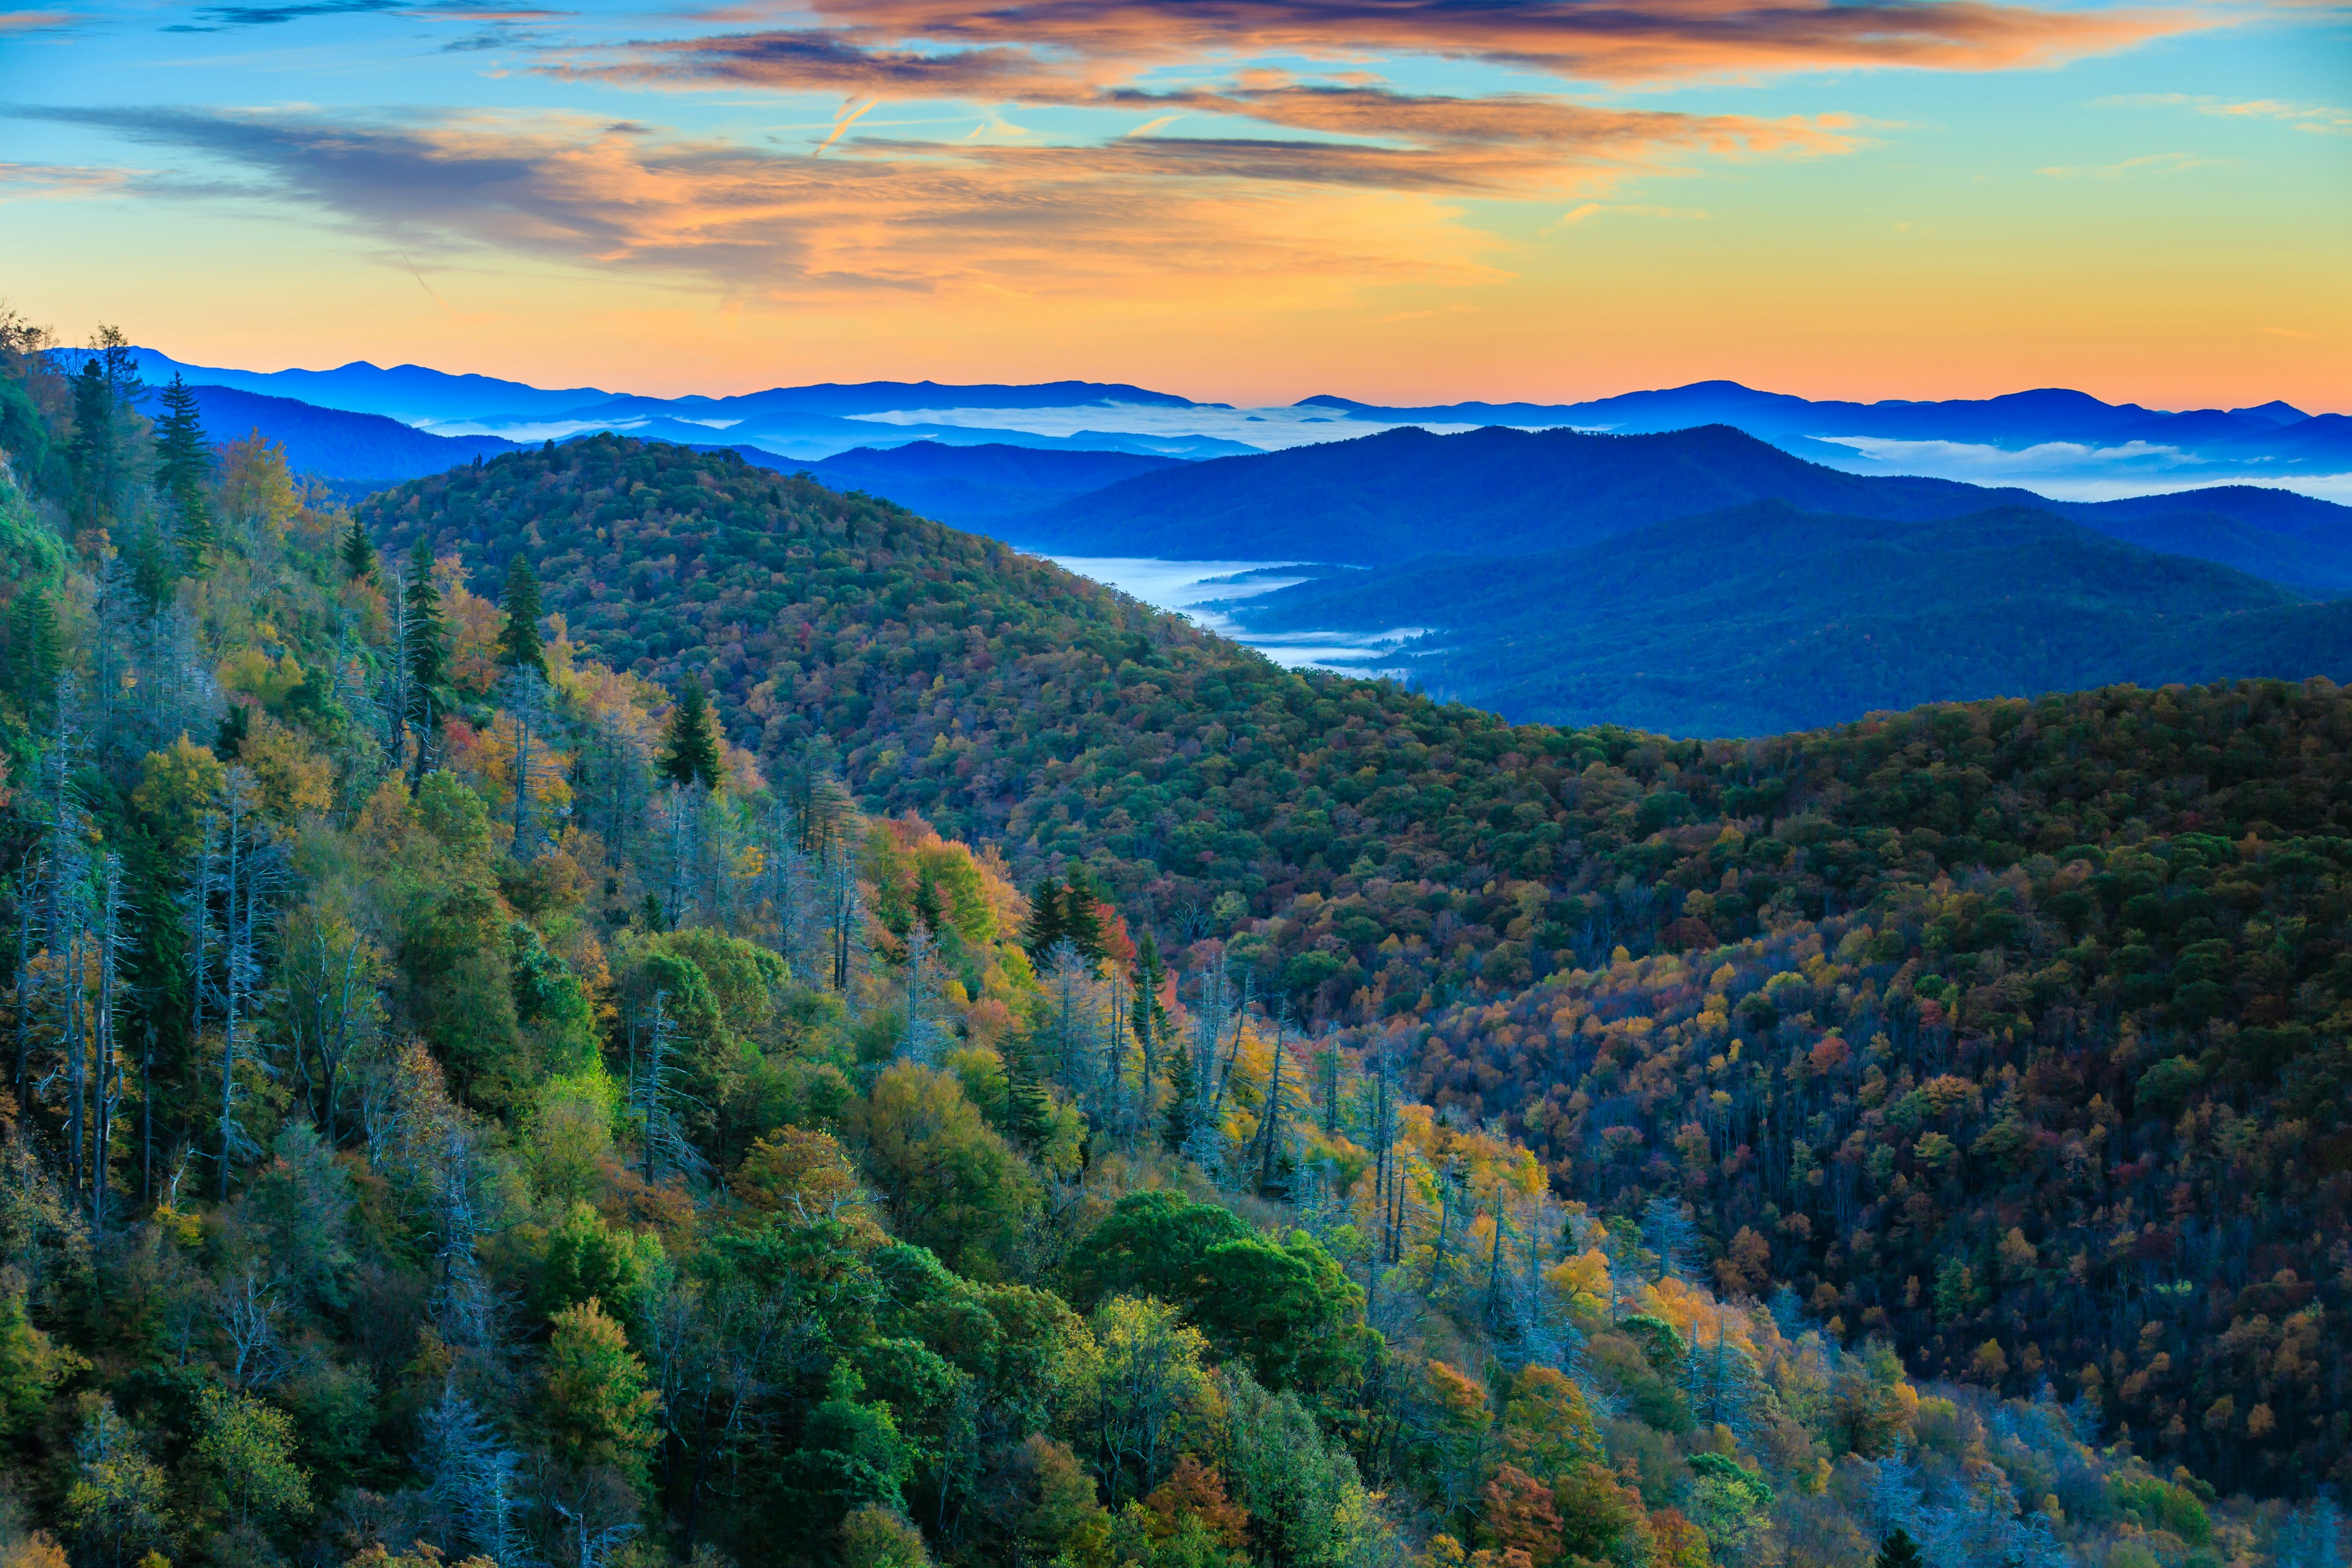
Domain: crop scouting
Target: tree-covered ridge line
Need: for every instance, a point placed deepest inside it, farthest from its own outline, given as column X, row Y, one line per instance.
column 1623, row 838
column 462, row 1102
column 1766, row 619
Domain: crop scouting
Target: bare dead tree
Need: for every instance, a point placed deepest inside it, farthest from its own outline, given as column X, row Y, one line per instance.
column 924, row 1032
column 845, row 906
column 106, row 1054
column 230, row 920
column 657, row 1096
column 525, row 695
column 332, row 1007
column 250, row 1309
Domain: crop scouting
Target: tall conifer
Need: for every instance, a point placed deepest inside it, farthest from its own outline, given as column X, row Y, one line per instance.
column 183, row 461
column 1082, row 920
column 33, row 648
column 519, row 643
column 358, row 551
column 1043, row 929
column 690, row 751
column 90, row 455
column 1899, row 1551
column 1029, row 1106
column 1183, row 1098
column 428, row 660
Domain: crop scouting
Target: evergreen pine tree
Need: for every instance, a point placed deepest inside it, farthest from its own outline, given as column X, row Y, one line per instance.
column 1899, row 1551
column 519, row 642
column 1183, row 1098
column 33, row 648
column 358, row 551
column 1148, row 1015
column 1269, row 1131
column 105, row 390
column 428, row 661
column 153, row 570
column 1028, row 1106
column 690, row 751
column 91, row 452
column 1043, row 929
column 1082, row 920
column 183, row 460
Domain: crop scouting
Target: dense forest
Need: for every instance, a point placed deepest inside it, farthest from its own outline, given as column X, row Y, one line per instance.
column 614, row 1007
column 1811, row 619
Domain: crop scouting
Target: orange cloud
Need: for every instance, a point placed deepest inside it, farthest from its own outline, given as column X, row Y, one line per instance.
column 1512, row 119
column 1308, row 222
column 1052, row 50
column 29, row 182
column 2320, row 118
column 925, row 214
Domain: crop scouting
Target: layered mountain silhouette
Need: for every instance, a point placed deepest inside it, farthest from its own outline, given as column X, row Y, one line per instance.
column 973, row 487
column 2045, row 436
column 1770, row 616
column 363, row 449
column 2010, row 421
column 1385, row 499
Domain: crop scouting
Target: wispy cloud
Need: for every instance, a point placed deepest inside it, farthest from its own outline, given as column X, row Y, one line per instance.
column 843, row 121
column 1311, row 222
column 2320, row 118
column 621, row 193
column 1051, row 48
column 35, row 21
column 2323, row 118
column 1586, row 211
column 219, row 18
column 37, row 182
column 2147, row 163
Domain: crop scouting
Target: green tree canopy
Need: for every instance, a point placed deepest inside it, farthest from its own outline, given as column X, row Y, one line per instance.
column 518, row 641
column 690, row 748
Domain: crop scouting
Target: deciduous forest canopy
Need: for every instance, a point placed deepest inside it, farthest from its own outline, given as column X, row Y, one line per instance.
column 610, row 1006
column 1766, row 619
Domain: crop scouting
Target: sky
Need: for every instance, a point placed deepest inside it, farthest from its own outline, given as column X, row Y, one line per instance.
column 1402, row 201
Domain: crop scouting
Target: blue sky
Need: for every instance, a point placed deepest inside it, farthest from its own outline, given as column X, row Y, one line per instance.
column 1247, row 199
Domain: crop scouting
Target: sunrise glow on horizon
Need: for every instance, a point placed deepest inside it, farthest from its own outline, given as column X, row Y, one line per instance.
column 1253, row 200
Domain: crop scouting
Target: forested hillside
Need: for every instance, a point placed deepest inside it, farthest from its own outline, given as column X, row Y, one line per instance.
column 1767, row 619
column 1376, row 856
column 354, row 447
column 972, row 487
column 611, row 1008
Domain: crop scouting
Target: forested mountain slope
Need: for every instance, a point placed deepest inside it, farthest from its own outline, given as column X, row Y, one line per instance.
column 1385, row 500
column 462, row 1107
column 974, row 486
column 1384, row 855
column 996, row 693
column 1766, row 619
column 365, row 448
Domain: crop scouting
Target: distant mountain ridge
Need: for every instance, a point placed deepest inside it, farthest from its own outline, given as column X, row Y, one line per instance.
column 411, row 393
column 1769, row 617
column 1385, row 499
column 2062, row 435
column 2013, row 419
column 794, row 421
column 358, row 449
column 973, row 487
